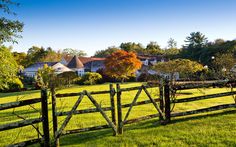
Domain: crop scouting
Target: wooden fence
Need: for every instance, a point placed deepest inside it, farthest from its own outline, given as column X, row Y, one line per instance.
column 44, row 140
column 162, row 104
column 194, row 85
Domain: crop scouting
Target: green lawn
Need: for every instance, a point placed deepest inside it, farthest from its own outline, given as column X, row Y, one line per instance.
column 217, row 128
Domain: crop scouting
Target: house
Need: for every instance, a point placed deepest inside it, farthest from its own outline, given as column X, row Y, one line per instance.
column 148, row 61
column 90, row 64
column 81, row 65
column 76, row 65
column 57, row 66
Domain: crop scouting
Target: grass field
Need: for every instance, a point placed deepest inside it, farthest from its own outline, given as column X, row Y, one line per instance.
column 208, row 129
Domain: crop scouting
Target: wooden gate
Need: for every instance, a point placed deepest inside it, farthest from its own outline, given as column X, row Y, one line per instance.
column 82, row 95
column 160, row 109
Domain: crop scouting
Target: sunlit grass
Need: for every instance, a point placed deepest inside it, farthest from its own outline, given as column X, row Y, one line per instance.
column 216, row 128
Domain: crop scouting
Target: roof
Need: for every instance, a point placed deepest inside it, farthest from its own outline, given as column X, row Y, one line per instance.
column 85, row 60
column 41, row 64
column 57, row 66
column 67, row 58
column 149, row 57
column 75, row 63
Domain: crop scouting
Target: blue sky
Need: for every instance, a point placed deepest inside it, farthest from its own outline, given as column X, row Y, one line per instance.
column 92, row 25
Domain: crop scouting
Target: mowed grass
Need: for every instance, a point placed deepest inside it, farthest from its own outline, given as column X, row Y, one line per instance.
column 208, row 129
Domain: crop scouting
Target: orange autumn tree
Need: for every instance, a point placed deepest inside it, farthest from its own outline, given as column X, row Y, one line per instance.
column 121, row 64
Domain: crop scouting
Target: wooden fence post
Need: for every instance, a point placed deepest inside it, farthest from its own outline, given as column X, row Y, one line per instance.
column 119, row 109
column 113, row 110
column 44, row 108
column 167, row 101
column 54, row 117
column 161, row 99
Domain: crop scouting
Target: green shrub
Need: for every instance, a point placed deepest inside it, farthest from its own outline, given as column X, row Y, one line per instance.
column 66, row 78
column 91, row 78
column 78, row 80
column 15, row 85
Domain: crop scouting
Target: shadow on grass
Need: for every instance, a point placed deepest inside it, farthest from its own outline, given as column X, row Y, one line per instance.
column 83, row 138
column 152, row 123
column 201, row 116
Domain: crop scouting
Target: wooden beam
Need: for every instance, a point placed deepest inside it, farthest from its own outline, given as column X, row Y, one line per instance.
column 133, row 102
column 84, row 111
column 203, row 97
column 140, row 103
column 19, row 103
column 79, row 93
column 54, row 117
column 113, row 109
column 59, row 132
column 167, row 101
column 21, row 123
column 213, row 108
column 119, row 110
column 44, row 110
column 137, row 87
column 153, row 102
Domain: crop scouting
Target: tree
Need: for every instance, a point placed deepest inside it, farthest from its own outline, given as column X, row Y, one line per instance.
column 153, row 46
column 182, row 66
column 224, row 63
column 106, row 52
column 8, row 68
column 153, row 49
column 73, row 52
column 35, row 54
column 172, row 52
column 219, row 41
column 45, row 77
column 51, row 56
column 132, row 46
column 9, row 29
column 19, row 57
column 172, row 44
column 121, row 64
column 196, row 40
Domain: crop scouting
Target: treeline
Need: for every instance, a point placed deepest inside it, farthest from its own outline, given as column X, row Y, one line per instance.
column 41, row 54
column 197, row 48
column 151, row 49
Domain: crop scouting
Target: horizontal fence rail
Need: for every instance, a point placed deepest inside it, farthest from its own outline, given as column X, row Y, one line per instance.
column 44, row 138
column 213, row 108
column 19, row 124
column 199, row 84
column 140, row 103
column 63, row 95
column 137, row 88
column 92, row 110
column 19, row 103
column 210, row 96
column 192, row 85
